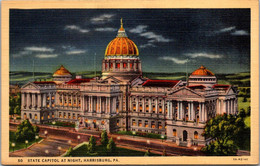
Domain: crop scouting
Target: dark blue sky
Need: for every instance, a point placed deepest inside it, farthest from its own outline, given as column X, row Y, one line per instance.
column 168, row 40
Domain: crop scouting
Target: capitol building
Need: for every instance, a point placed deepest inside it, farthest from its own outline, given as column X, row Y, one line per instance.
column 123, row 100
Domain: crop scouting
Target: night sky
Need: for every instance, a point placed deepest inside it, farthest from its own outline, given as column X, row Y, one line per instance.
column 171, row 40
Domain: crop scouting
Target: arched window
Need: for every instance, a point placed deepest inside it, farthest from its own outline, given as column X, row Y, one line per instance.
column 186, row 117
column 198, row 119
column 196, row 135
column 174, row 133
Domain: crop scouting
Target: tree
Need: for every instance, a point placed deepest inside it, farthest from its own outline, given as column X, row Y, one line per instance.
column 25, row 131
column 147, row 153
column 111, row 146
column 228, row 133
column 104, row 138
column 92, row 144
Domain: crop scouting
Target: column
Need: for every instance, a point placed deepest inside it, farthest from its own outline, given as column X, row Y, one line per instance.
column 100, row 104
column 163, row 106
column 128, row 65
column 181, row 110
column 137, row 104
column 192, row 111
column 114, row 105
column 83, row 103
column 144, row 110
column 200, row 114
column 168, row 107
column 109, row 104
column 228, row 106
column 170, row 111
column 156, row 105
column 39, row 100
column 62, row 99
column 203, row 111
column 44, row 100
column 178, row 111
column 150, row 105
column 134, row 66
column 28, row 100
column 189, row 110
column 23, row 100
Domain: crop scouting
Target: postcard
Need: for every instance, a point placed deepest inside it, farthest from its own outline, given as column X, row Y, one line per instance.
column 130, row 82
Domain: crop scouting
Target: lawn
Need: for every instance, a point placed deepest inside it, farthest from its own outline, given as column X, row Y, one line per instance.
column 63, row 124
column 18, row 145
column 242, row 104
column 143, row 134
column 101, row 151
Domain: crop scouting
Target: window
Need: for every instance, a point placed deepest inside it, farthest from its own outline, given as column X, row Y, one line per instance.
column 124, row 65
column 52, row 115
column 69, row 115
column 198, row 119
column 186, row 118
column 141, row 108
column 64, row 115
column 117, row 122
column 52, row 97
column 146, row 123
column 160, row 109
column 74, row 117
column 174, row 133
column 60, row 115
column 133, row 122
column 78, row 116
column 35, row 117
column 117, row 65
column 153, row 124
column 153, row 108
column 131, row 65
column 140, row 123
column 134, row 107
column 111, row 65
column 42, row 117
column 102, row 122
column 160, row 125
column 86, row 120
column 60, row 101
column 48, row 116
column 53, row 105
column 79, row 103
column 196, row 135
column 147, row 108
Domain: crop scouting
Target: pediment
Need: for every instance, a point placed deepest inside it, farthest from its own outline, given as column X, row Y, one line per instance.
column 185, row 92
column 110, row 80
column 30, row 85
column 230, row 91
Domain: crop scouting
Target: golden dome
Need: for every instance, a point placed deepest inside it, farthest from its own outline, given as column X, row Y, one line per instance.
column 202, row 71
column 121, row 45
column 62, row 71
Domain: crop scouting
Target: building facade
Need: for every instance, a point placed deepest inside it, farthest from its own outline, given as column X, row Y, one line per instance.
column 123, row 100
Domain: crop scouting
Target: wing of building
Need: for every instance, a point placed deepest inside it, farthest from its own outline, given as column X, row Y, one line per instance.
column 123, row 100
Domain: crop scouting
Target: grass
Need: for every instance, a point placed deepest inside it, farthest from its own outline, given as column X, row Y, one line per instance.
column 63, row 124
column 243, row 105
column 101, row 151
column 142, row 134
column 18, row 145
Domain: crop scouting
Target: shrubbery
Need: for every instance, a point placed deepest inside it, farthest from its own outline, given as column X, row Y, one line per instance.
column 26, row 131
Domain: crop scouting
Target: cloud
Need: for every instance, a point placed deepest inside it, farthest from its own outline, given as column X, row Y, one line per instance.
column 101, row 19
column 138, row 29
column 240, row 33
column 228, row 29
column 204, row 55
column 107, row 29
column 39, row 49
column 154, row 37
column 46, row 56
column 76, row 28
column 21, row 53
column 75, row 52
column 174, row 60
column 147, row 45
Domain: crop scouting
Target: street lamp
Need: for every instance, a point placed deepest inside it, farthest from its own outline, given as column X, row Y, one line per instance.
column 47, row 152
column 59, row 148
column 78, row 138
column 133, row 132
column 69, row 142
column 53, row 123
column 13, row 145
column 195, row 148
column 36, row 138
column 148, row 142
column 118, row 138
column 162, row 137
column 46, row 133
column 26, row 142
